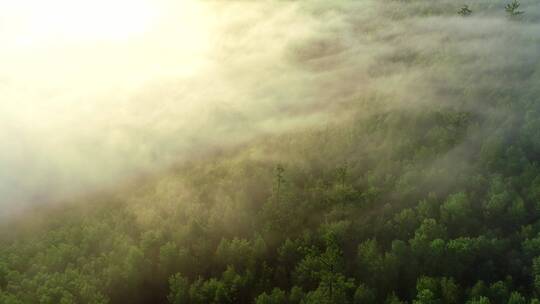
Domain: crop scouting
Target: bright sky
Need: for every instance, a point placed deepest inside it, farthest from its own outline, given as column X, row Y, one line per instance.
column 34, row 22
column 74, row 80
column 88, row 43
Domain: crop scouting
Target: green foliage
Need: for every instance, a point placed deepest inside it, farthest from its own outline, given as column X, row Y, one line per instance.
column 516, row 298
column 456, row 212
column 512, row 8
column 179, row 290
column 393, row 299
column 434, row 203
column 277, row 296
column 479, row 300
column 465, row 11
column 296, row 296
column 364, row 295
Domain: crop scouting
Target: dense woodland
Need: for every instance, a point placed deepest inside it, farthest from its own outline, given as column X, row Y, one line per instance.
column 420, row 202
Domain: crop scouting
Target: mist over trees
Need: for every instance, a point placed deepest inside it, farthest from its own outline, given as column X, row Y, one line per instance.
column 420, row 183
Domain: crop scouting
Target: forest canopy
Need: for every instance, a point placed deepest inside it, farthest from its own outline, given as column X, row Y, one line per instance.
column 400, row 164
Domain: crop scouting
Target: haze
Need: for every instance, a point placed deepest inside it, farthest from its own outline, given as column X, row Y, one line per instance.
column 94, row 93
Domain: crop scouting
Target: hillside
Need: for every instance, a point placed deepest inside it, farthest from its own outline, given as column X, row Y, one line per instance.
column 411, row 176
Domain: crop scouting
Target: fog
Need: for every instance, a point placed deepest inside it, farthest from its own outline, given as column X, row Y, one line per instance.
column 86, row 103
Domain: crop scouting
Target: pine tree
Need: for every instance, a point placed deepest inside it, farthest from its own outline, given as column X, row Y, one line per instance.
column 465, row 10
column 512, row 8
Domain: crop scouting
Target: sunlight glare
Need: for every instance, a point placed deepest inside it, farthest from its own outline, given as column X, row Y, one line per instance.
column 40, row 22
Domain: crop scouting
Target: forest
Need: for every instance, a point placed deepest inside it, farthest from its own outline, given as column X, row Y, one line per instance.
column 419, row 183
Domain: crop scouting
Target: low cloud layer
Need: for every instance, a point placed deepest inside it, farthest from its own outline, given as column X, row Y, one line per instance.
column 81, row 114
